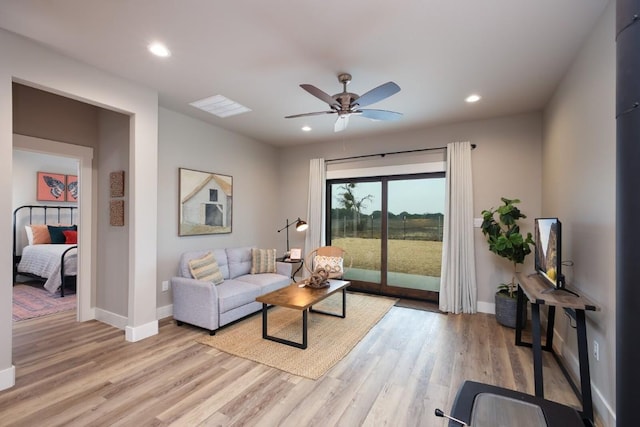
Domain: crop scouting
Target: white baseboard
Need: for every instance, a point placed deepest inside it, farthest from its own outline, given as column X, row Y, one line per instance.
column 132, row 333
column 572, row 365
column 138, row 333
column 486, row 307
column 166, row 311
column 8, row 378
column 115, row 320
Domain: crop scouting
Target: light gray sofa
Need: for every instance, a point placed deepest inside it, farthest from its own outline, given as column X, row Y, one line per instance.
column 212, row 306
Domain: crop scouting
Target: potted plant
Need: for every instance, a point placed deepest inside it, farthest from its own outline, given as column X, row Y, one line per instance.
column 504, row 238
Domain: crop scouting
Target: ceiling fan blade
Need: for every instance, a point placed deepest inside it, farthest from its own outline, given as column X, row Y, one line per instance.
column 317, row 113
column 377, row 94
column 320, row 95
column 380, row 114
column 341, row 123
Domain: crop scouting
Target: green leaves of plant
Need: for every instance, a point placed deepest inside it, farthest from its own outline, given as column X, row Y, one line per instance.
column 503, row 235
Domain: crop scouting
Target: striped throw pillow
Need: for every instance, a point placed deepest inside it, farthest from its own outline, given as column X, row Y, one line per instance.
column 206, row 269
column 263, row 261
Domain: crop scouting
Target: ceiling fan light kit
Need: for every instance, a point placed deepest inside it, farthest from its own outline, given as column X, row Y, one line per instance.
column 345, row 104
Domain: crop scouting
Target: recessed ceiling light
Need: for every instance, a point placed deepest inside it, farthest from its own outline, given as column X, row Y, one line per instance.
column 306, row 128
column 158, row 49
column 473, row 98
column 220, row 105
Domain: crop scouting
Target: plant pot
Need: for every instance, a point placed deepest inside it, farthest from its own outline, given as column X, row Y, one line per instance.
column 506, row 308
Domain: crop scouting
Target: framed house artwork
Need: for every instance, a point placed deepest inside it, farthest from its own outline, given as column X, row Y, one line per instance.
column 71, row 194
column 205, row 203
column 51, row 187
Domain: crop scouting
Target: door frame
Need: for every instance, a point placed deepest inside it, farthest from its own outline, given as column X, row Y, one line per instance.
column 381, row 288
column 84, row 156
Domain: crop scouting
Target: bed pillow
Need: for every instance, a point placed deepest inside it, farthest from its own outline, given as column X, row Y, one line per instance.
column 206, row 269
column 70, row 237
column 40, row 234
column 57, row 233
column 29, row 231
column 263, row 261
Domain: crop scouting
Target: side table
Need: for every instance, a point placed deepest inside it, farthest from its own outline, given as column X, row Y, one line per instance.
column 299, row 263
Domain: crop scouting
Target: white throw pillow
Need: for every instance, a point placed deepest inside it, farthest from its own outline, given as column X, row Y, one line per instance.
column 333, row 264
column 29, row 231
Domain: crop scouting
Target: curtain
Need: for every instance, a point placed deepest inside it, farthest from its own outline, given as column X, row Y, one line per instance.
column 458, row 293
column 316, row 205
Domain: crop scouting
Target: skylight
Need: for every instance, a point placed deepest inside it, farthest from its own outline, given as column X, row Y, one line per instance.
column 220, row 106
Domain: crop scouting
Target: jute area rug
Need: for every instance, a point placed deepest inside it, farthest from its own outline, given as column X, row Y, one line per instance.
column 329, row 338
column 30, row 302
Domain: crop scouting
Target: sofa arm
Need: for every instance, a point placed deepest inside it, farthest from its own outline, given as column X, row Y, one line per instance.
column 284, row 268
column 195, row 302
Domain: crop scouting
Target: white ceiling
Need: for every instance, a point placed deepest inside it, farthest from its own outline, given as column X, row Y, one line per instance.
column 257, row 52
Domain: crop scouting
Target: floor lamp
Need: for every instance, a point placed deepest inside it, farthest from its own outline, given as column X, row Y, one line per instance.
column 300, row 226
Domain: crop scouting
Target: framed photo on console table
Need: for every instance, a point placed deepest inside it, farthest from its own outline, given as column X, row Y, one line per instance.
column 206, row 202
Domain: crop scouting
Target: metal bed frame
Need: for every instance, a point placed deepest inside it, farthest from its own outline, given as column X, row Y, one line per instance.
column 68, row 212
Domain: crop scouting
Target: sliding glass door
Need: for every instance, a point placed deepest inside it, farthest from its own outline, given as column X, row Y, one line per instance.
column 391, row 228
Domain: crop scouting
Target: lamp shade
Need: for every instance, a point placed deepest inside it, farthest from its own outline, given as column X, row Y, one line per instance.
column 301, row 225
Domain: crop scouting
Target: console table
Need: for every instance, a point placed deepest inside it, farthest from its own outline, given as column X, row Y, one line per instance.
column 538, row 292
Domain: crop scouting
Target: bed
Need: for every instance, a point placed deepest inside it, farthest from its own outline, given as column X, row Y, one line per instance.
column 44, row 245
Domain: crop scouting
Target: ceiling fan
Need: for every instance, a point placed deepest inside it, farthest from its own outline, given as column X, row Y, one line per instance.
column 345, row 104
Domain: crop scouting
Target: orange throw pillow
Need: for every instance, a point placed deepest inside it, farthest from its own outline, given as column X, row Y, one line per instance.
column 41, row 234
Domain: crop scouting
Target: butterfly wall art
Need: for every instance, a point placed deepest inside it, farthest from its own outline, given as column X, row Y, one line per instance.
column 55, row 187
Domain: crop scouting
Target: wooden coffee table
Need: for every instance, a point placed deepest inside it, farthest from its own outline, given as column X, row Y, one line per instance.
column 303, row 299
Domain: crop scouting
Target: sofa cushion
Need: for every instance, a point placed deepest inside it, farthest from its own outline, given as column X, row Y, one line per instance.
column 234, row 293
column 219, row 254
column 267, row 282
column 206, row 269
column 263, row 261
column 239, row 261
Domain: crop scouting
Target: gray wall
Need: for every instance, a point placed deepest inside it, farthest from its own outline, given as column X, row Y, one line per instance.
column 188, row 143
column 506, row 162
column 45, row 115
column 112, row 249
column 579, row 149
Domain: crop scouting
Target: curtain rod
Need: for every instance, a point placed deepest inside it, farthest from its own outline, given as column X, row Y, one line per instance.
column 364, row 156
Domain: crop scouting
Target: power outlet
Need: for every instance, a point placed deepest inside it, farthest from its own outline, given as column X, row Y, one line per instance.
column 596, row 350
column 165, row 285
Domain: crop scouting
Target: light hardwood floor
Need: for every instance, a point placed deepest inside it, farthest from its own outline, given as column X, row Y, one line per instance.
column 411, row 362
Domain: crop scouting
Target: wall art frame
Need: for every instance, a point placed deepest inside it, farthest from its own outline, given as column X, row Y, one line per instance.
column 205, row 203
column 116, row 213
column 51, row 187
column 116, row 184
column 72, row 190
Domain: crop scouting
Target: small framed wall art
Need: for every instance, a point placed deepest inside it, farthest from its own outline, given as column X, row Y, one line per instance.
column 56, row 187
column 72, row 188
column 116, row 213
column 116, row 180
column 51, row 187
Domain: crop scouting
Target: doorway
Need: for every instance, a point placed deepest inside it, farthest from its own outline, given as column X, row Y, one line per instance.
column 30, row 298
column 83, row 155
column 391, row 228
